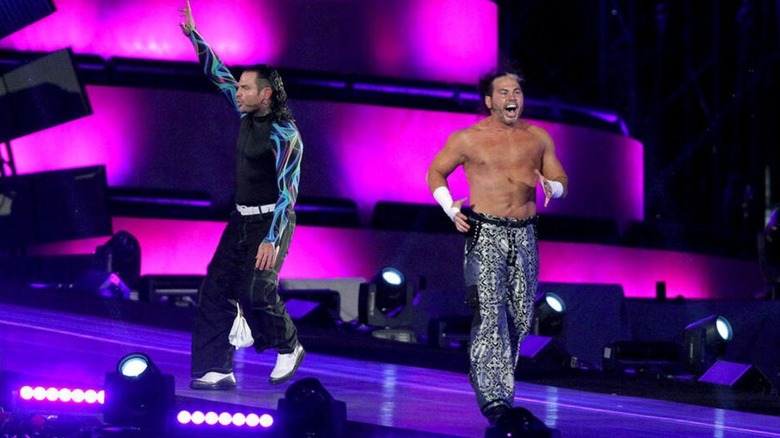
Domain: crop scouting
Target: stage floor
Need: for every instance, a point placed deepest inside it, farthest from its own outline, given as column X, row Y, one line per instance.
column 397, row 400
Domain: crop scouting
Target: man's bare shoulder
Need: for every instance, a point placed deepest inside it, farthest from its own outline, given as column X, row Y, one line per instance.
column 476, row 129
column 464, row 136
column 537, row 131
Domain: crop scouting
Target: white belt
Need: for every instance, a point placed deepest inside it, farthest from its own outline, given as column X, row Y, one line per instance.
column 246, row 210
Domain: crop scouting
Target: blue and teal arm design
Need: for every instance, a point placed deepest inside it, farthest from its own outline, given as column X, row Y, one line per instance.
column 215, row 69
column 288, row 149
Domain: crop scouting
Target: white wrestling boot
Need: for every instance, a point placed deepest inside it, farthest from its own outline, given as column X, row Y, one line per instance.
column 214, row 381
column 287, row 365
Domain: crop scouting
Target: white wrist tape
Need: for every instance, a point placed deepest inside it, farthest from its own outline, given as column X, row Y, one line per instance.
column 556, row 188
column 444, row 198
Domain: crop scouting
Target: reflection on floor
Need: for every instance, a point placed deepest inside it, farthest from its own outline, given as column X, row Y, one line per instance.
column 382, row 399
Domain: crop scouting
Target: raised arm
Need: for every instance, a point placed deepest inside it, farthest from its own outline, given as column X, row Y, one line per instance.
column 212, row 66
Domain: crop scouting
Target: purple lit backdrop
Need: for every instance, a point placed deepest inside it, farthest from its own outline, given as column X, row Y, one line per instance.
column 185, row 247
column 382, row 154
column 178, row 140
column 158, row 139
column 185, row 141
column 437, row 40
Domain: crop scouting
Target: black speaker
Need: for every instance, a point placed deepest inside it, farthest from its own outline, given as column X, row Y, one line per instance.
column 176, row 289
column 139, row 406
column 396, row 334
column 18, row 14
column 57, row 205
column 449, row 331
column 642, row 357
column 42, row 93
column 737, row 376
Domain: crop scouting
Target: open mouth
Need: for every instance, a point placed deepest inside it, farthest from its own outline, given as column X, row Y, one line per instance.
column 511, row 109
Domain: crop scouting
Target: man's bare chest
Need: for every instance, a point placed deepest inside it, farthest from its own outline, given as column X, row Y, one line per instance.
column 506, row 152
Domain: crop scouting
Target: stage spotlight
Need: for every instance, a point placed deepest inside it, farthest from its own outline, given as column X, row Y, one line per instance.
column 121, row 255
column 309, row 410
column 134, row 365
column 386, row 301
column 705, row 342
column 116, row 269
column 139, row 397
column 550, row 313
column 519, row 422
column 391, row 291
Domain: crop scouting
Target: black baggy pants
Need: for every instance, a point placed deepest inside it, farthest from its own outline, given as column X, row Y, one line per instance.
column 232, row 275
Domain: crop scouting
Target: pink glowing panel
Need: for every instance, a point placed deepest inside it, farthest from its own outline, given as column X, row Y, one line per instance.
column 144, row 138
column 438, row 40
column 444, row 40
column 637, row 270
column 150, row 29
column 107, row 137
column 185, row 247
column 386, row 156
column 606, row 173
column 382, row 154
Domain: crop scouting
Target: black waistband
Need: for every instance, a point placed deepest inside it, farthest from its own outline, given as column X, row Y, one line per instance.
column 503, row 221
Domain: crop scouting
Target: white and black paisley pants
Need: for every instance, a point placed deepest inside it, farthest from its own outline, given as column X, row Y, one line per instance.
column 501, row 267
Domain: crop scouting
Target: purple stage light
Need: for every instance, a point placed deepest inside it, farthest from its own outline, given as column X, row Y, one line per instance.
column 61, row 395
column 211, row 418
column 77, row 395
column 239, row 419
column 197, row 417
column 252, row 420
column 52, row 394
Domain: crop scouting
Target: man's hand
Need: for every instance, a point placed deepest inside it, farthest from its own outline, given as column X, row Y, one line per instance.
column 266, row 256
column 189, row 23
column 548, row 194
column 460, row 219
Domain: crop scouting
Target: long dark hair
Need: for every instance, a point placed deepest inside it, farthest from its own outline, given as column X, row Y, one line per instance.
column 266, row 75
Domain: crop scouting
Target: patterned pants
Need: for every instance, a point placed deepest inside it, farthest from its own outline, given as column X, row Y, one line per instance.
column 502, row 269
